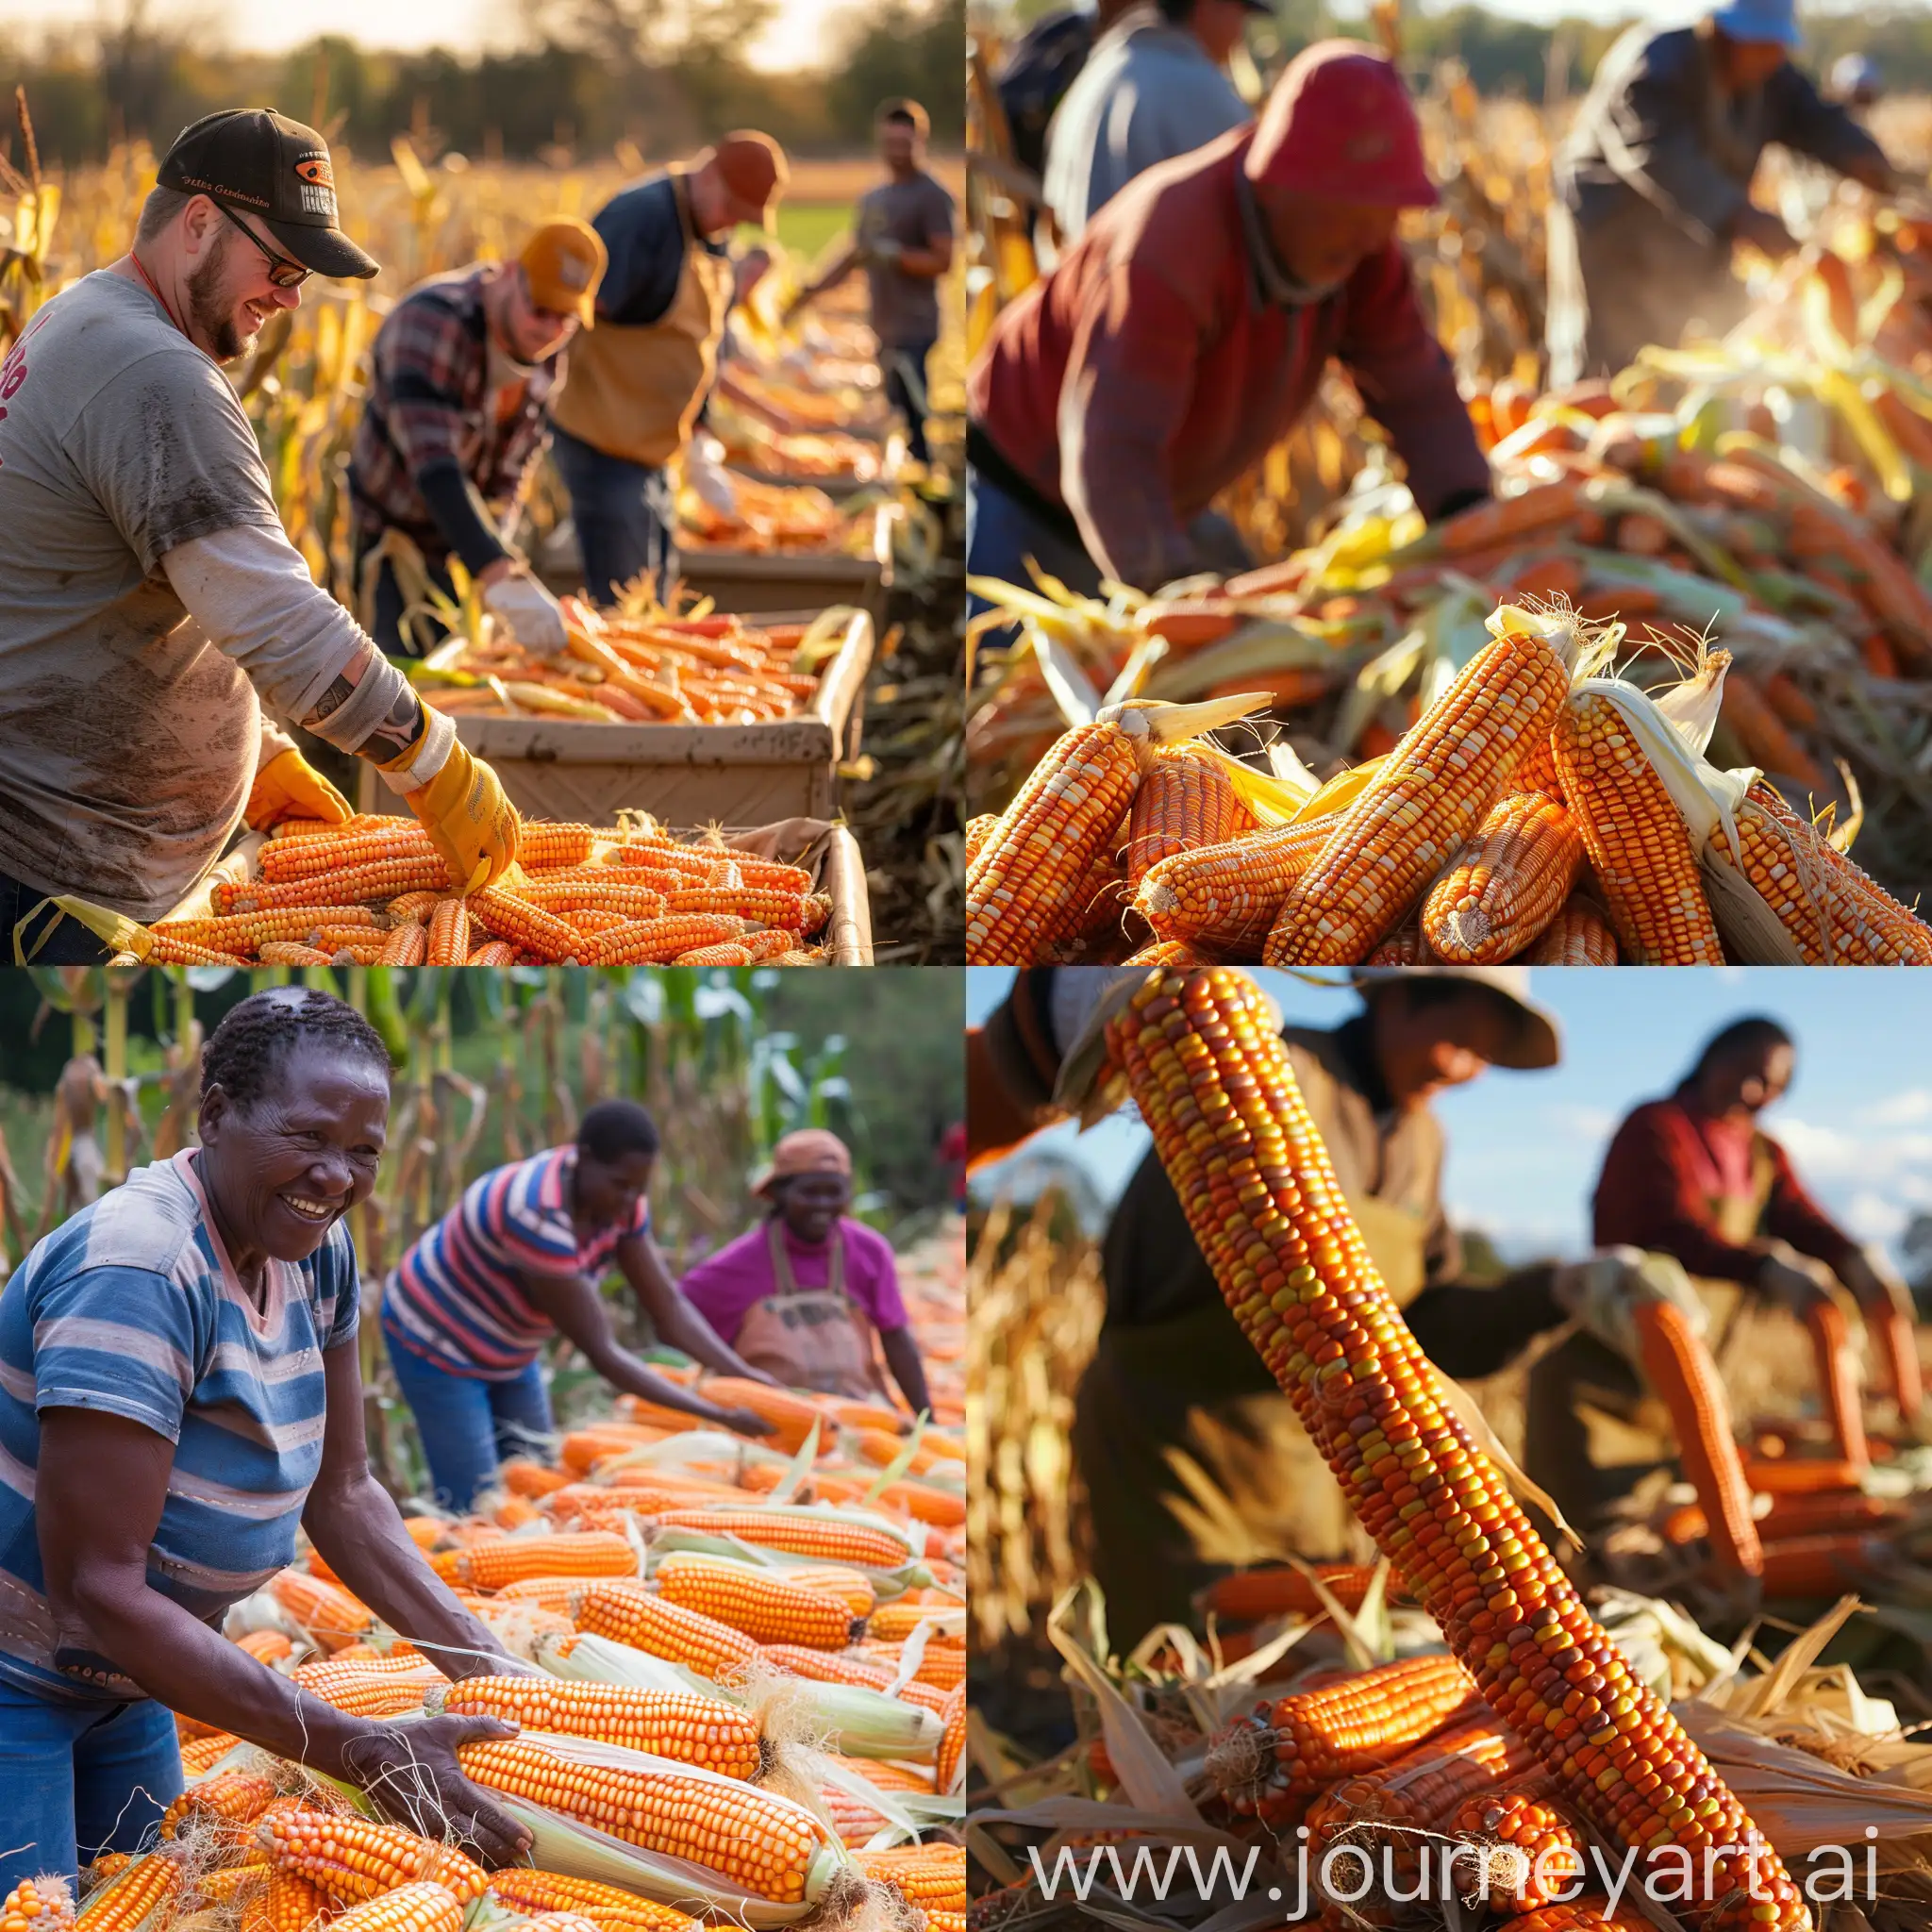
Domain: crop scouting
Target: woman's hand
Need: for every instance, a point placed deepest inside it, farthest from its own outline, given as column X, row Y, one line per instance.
column 742, row 1422
column 412, row 1772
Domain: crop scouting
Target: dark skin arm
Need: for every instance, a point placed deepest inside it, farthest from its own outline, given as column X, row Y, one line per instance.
column 676, row 1321
column 927, row 264
column 902, row 1357
column 355, row 1524
column 573, row 1303
column 102, row 1484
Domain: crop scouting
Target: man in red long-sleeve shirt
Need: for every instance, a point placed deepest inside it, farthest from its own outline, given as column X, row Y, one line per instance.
column 1186, row 332
column 1695, row 1178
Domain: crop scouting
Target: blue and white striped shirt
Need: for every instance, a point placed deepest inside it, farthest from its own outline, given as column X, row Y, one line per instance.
column 132, row 1308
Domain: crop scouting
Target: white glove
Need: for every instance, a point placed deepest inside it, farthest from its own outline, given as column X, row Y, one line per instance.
column 704, row 470
column 527, row 611
column 886, row 250
column 1604, row 1293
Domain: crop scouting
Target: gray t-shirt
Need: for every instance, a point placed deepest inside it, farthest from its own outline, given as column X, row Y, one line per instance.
column 127, row 740
column 905, row 309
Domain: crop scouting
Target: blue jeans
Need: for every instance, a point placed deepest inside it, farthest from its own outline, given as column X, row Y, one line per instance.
column 468, row 1426
column 77, row 1779
column 905, row 366
column 625, row 518
column 1002, row 533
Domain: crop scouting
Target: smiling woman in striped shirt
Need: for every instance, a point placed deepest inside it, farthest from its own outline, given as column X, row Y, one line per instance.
column 179, row 1389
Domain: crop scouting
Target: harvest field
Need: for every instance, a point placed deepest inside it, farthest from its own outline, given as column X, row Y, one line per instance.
column 1739, row 529
column 303, row 387
column 1351, row 1678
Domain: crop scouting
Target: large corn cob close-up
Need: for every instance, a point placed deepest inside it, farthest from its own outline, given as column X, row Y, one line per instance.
column 352, row 1859
column 691, row 1729
column 1216, row 1088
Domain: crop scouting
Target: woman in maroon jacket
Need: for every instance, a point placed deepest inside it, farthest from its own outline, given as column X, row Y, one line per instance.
column 1693, row 1176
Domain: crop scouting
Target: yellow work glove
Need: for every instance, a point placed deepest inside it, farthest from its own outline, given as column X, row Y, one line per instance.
column 459, row 801
column 288, row 787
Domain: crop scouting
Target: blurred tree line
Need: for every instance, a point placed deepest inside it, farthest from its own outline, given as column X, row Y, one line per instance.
column 664, row 75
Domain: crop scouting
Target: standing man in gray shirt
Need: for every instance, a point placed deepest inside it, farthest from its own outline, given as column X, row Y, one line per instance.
column 1654, row 184
column 151, row 604
column 903, row 238
column 1154, row 86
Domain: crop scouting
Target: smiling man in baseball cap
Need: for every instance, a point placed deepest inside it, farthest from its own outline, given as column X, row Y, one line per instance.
column 1186, row 332
column 133, row 496
column 1654, row 184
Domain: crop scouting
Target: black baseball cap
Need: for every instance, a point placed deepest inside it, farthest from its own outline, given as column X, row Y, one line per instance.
column 257, row 160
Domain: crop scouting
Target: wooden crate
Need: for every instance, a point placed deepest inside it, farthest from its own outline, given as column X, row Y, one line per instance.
column 827, row 851
column 737, row 774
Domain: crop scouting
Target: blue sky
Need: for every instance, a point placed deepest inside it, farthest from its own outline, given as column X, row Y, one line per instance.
column 1525, row 1148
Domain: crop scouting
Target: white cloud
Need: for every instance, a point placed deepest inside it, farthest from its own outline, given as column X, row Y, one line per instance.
column 1588, row 1124
column 1873, row 1218
column 1901, row 1110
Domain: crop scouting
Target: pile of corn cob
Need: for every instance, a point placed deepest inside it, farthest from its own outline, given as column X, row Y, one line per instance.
column 783, row 518
column 642, row 668
column 1518, row 1724
column 1535, row 811
column 750, row 1697
column 374, row 891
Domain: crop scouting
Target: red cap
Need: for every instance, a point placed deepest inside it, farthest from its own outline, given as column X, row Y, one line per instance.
column 1340, row 126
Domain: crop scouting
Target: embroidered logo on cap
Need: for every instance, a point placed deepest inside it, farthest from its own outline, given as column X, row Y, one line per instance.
column 317, row 191
column 315, row 167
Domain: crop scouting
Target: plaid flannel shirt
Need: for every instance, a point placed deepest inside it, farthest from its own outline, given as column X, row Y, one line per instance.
column 429, row 399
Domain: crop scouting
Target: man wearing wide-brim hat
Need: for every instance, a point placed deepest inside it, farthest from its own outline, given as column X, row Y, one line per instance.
column 1654, row 184
column 802, row 1295
column 641, row 374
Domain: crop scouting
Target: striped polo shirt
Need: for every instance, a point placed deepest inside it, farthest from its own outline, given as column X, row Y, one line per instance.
column 457, row 1300
column 133, row 1308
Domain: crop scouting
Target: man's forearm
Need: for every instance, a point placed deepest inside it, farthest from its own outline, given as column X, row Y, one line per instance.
column 452, row 501
column 682, row 1327
column 360, row 1535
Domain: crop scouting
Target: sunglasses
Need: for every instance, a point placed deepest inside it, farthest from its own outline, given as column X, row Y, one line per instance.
column 283, row 273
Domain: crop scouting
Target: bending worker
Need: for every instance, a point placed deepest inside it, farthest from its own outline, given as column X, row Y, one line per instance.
column 1186, row 331
column 458, row 411
column 1693, row 1176
column 1173, row 1372
column 641, row 374
column 904, row 240
column 517, row 1260
column 179, row 1392
column 801, row 1295
column 1654, row 183
column 151, row 592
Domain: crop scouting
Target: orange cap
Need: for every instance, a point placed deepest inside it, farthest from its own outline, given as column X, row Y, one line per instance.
column 564, row 262
column 754, row 171
column 811, row 1150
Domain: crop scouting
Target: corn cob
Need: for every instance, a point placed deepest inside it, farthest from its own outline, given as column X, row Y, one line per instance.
column 522, row 1478
column 108, row 1865
column 731, row 955
column 37, row 1905
column 528, row 927
column 764, row 1845
column 375, row 883
column 552, row 1891
column 240, row 929
column 659, row 941
column 557, row 1594
column 1581, row 1915
column 449, row 934
column 1422, row 803
column 691, row 1729
column 1821, row 1566
column 200, row 1754
column 407, row 944
column 300, row 859
column 791, row 1416
column 626, row 1613
column 413, row 908
column 1638, row 845
column 179, row 951
column 291, row 952
column 1837, row 1379
column 951, row 1751
column 1578, row 935
column 1682, row 1372
column 424, row 1908
column 932, row 1876
column 352, row 1859
column 360, row 1693
column 234, row 1797
column 147, row 1885
column 937, row 1921
column 267, row 1646
column 1185, row 801
column 614, row 892
column 818, row 914
column 1898, row 1339
column 1313, row 1739
column 857, row 1544
column 1024, row 891
column 1215, row 1086
column 493, row 953
column 758, row 1602
column 941, row 1664
column 1507, row 885
column 1225, row 898
column 326, row 1612
column 512, row 1558
column 741, row 902
column 1532, row 1851
column 1249, row 1596
column 1793, row 1477
column 895, row 1622
column 853, row 1588
column 544, row 842
column 1405, row 946
column 228, row 1885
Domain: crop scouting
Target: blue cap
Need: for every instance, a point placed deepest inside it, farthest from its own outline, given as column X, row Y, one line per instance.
column 1761, row 20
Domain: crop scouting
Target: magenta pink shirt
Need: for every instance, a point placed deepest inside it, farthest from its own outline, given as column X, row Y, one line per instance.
column 727, row 1286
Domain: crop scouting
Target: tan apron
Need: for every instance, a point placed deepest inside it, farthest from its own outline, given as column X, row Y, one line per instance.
column 634, row 392
column 1195, row 1384
column 1592, row 1428
column 815, row 1338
